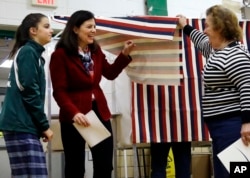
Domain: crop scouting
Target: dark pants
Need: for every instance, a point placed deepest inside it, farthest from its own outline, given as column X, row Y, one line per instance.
column 182, row 159
column 74, row 150
column 223, row 133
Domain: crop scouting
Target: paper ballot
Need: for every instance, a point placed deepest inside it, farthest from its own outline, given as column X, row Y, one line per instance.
column 236, row 152
column 95, row 133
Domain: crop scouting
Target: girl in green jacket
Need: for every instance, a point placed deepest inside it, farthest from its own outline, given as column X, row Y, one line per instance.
column 22, row 118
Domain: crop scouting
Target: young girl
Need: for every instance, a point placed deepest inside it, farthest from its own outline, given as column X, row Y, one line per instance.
column 22, row 118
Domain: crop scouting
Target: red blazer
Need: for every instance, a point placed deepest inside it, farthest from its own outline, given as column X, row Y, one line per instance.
column 73, row 87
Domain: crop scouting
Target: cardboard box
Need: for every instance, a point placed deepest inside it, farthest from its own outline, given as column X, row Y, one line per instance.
column 56, row 143
column 201, row 166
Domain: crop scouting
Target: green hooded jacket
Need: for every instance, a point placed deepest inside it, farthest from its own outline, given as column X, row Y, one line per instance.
column 23, row 111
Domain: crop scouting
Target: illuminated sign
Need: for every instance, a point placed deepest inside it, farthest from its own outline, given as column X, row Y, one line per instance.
column 46, row 3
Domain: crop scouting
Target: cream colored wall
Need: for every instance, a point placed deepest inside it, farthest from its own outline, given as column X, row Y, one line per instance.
column 197, row 8
column 13, row 11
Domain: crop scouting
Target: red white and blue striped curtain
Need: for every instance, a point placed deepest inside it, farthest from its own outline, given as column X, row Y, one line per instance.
column 171, row 112
column 167, row 113
column 164, row 73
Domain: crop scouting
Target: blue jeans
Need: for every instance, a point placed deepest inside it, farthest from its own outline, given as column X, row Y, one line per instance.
column 223, row 133
column 182, row 159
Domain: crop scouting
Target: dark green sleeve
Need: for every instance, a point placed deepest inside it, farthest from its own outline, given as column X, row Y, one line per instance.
column 32, row 78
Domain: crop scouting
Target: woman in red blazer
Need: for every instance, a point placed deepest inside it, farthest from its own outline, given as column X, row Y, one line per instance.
column 76, row 67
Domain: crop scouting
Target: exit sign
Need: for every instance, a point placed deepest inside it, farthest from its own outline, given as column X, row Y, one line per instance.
column 47, row 3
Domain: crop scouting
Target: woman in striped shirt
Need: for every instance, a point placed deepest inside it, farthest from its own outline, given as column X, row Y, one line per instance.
column 226, row 80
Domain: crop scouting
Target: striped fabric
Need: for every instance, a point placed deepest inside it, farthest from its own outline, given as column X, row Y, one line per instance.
column 165, row 76
column 245, row 25
column 26, row 155
column 173, row 113
column 168, row 113
column 154, row 27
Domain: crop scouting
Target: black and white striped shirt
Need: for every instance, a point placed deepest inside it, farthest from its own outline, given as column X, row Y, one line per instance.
column 226, row 78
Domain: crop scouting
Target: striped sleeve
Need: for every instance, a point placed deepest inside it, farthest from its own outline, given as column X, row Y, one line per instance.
column 238, row 69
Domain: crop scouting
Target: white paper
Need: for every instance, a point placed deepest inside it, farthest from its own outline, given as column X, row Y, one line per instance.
column 236, row 152
column 96, row 132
